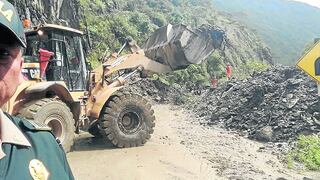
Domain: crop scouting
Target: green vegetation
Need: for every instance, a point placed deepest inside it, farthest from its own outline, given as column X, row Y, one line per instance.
column 111, row 22
column 253, row 66
column 307, row 152
column 194, row 75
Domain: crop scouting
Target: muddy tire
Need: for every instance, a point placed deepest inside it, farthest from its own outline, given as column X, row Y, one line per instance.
column 55, row 114
column 127, row 120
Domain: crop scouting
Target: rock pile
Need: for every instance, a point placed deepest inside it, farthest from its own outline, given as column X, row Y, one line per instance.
column 276, row 105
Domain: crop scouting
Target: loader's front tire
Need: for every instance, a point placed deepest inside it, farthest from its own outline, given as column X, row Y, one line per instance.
column 56, row 115
column 127, row 120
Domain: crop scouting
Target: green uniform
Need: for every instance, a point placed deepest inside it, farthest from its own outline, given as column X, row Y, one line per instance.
column 44, row 156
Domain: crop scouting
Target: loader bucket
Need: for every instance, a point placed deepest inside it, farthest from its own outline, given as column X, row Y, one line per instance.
column 178, row 46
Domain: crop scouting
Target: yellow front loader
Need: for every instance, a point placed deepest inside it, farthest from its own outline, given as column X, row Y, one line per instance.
column 63, row 92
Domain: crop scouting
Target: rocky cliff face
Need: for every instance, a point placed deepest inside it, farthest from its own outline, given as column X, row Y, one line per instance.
column 65, row 12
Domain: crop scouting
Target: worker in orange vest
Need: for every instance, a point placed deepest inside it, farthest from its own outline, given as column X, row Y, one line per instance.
column 228, row 71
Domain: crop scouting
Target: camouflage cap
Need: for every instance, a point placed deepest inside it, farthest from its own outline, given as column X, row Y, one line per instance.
column 11, row 23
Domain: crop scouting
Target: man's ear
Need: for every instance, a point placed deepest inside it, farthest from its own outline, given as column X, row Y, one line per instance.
column 21, row 78
column 21, row 62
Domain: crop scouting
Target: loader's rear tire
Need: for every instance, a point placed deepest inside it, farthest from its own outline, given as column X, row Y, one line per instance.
column 56, row 115
column 127, row 120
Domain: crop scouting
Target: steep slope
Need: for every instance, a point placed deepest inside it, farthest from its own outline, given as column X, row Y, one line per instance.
column 110, row 22
column 139, row 18
column 286, row 26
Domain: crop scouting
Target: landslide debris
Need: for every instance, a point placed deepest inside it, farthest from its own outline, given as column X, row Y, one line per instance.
column 276, row 105
column 273, row 106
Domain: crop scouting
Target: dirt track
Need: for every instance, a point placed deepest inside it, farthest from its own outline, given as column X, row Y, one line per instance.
column 179, row 149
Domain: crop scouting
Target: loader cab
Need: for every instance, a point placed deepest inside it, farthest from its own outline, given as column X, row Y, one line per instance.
column 60, row 54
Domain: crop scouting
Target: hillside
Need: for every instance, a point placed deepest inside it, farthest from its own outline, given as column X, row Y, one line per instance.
column 286, row 26
column 111, row 22
column 139, row 18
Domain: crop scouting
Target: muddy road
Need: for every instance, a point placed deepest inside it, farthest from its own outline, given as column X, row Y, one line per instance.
column 181, row 148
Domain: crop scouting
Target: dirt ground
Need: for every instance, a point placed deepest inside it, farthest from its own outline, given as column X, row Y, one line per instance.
column 180, row 148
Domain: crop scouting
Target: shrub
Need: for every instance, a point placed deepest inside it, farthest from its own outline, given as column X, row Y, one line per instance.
column 307, row 152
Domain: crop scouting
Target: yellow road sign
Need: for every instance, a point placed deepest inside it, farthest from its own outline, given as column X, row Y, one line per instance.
column 310, row 62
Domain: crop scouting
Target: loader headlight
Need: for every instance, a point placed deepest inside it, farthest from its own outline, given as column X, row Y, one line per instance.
column 40, row 32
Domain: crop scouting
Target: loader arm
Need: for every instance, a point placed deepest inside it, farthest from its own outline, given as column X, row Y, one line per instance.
column 133, row 61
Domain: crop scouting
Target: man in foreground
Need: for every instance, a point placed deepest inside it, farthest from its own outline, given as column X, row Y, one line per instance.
column 28, row 151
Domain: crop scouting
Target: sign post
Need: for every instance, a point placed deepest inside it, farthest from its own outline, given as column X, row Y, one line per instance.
column 310, row 63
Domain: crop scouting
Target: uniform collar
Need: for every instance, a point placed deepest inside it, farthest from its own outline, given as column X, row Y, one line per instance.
column 10, row 133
